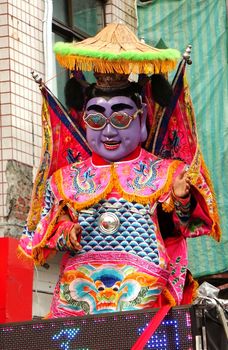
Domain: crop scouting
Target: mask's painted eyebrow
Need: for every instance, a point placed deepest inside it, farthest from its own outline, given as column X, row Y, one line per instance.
column 120, row 106
column 96, row 108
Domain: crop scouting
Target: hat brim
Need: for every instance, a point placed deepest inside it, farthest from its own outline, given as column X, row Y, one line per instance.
column 115, row 49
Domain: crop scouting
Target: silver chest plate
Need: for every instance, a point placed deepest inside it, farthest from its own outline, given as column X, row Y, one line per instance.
column 109, row 223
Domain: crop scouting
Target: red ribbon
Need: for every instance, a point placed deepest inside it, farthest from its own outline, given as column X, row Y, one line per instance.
column 151, row 328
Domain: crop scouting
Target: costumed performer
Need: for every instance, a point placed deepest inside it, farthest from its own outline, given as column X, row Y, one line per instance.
column 124, row 249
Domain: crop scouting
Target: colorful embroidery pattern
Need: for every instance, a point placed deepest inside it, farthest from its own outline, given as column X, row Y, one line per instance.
column 82, row 180
column 85, row 184
column 97, row 288
column 146, row 175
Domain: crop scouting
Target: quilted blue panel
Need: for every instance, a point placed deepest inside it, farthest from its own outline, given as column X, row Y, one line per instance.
column 136, row 233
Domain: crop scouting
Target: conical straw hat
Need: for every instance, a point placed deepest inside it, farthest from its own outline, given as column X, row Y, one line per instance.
column 115, row 49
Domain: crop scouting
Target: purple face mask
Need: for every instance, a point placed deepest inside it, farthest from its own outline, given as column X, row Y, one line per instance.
column 110, row 142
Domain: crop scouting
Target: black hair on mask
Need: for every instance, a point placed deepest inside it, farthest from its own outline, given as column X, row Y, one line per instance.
column 133, row 91
column 74, row 94
column 162, row 91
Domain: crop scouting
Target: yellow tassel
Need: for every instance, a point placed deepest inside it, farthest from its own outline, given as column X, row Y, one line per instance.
column 42, row 173
column 37, row 251
column 22, row 255
column 168, row 205
column 195, row 290
column 121, row 66
column 194, row 284
column 94, row 198
column 216, row 229
column 194, row 172
column 154, row 196
column 48, row 316
column 114, row 182
column 169, row 297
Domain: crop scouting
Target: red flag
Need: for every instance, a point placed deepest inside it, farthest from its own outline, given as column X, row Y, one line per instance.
column 63, row 142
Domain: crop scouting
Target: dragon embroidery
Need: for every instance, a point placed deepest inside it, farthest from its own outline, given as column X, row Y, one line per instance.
column 146, row 175
column 83, row 181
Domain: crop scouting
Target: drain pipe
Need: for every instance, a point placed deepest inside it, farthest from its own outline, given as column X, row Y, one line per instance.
column 47, row 40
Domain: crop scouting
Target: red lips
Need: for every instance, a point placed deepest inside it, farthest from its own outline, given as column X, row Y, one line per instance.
column 111, row 145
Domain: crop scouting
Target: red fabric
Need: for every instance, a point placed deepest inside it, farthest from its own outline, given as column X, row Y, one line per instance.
column 62, row 141
column 16, row 280
column 151, row 328
column 77, row 117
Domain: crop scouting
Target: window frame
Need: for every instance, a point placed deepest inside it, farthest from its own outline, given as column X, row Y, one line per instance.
column 68, row 30
column 68, row 33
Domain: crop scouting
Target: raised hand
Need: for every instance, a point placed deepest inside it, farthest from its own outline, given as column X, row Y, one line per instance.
column 72, row 230
column 181, row 185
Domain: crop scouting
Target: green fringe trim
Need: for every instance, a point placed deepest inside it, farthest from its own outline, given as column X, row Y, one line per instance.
column 73, row 56
column 63, row 49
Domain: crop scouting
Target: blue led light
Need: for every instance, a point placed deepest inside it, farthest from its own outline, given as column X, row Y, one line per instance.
column 160, row 339
column 69, row 333
column 174, row 333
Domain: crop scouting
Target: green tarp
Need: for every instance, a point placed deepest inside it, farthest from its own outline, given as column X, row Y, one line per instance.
column 203, row 24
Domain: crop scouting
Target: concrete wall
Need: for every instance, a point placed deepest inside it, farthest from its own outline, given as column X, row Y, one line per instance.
column 21, row 50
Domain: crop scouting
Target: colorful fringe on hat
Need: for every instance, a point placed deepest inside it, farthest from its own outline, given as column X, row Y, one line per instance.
column 115, row 49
